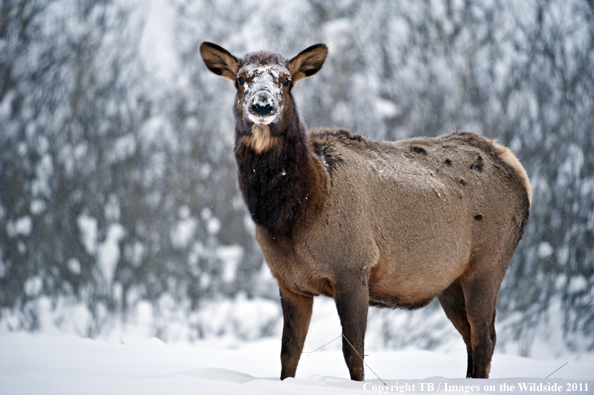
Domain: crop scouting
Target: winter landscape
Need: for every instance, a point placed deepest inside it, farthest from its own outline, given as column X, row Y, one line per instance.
column 127, row 362
column 127, row 257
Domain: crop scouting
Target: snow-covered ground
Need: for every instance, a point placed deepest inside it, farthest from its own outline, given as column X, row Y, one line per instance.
column 48, row 364
column 127, row 360
column 233, row 358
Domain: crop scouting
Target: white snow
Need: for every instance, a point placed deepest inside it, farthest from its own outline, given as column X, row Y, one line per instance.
column 88, row 229
column 127, row 360
column 577, row 283
column 386, row 108
column 212, row 224
column 21, row 226
column 231, row 257
column 158, row 131
column 37, row 206
column 183, row 232
column 33, row 286
column 6, row 105
column 545, row 250
column 571, row 168
column 123, row 148
column 74, row 265
column 109, row 251
column 44, row 170
column 338, row 33
column 157, row 45
column 43, row 364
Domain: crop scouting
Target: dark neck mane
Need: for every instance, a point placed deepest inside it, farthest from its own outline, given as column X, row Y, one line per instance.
column 283, row 185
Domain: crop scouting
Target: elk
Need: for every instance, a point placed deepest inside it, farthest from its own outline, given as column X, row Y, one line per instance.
column 370, row 223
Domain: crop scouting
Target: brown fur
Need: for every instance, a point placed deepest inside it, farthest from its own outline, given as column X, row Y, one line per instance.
column 388, row 224
column 260, row 140
column 508, row 157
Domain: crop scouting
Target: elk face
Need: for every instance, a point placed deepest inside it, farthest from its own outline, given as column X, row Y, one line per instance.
column 264, row 107
column 263, row 84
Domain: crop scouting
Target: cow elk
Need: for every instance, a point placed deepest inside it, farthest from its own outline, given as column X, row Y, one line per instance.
column 370, row 223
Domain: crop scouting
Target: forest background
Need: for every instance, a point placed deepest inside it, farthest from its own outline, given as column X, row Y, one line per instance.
column 119, row 203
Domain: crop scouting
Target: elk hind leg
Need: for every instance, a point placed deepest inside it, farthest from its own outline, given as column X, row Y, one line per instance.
column 453, row 303
column 480, row 293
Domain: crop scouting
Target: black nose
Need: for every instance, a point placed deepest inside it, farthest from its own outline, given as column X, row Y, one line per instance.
column 261, row 110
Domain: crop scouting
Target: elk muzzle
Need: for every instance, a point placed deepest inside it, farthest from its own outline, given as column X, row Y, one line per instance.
column 262, row 108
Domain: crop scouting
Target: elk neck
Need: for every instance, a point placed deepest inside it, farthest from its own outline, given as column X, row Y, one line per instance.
column 284, row 184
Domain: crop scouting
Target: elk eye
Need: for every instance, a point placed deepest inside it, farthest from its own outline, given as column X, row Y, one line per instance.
column 240, row 80
column 287, row 82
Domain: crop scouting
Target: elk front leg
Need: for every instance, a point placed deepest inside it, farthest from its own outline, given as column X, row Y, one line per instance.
column 352, row 303
column 296, row 316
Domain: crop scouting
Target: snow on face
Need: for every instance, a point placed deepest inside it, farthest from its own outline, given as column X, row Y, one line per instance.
column 263, row 87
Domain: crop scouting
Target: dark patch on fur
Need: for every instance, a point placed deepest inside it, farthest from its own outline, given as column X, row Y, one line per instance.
column 323, row 142
column 324, row 149
column 462, row 182
column 448, row 162
column 478, row 217
column 478, row 164
column 419, row 150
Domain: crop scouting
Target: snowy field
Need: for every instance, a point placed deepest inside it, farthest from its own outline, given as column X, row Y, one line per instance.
column 127, row 361
column 45, row 364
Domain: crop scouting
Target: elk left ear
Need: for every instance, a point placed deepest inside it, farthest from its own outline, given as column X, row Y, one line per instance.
column 308, row 62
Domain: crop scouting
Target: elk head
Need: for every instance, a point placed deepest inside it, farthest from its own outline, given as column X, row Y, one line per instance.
column 264, row 107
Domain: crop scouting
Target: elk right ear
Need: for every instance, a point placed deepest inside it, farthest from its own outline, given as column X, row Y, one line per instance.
column 219, row 60
column 308, row 62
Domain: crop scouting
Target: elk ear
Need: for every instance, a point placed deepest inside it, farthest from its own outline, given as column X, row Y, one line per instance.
column 308, row 62
column 219, row 60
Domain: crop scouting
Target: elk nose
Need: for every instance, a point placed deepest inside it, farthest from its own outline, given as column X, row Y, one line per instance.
column 261, row 109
